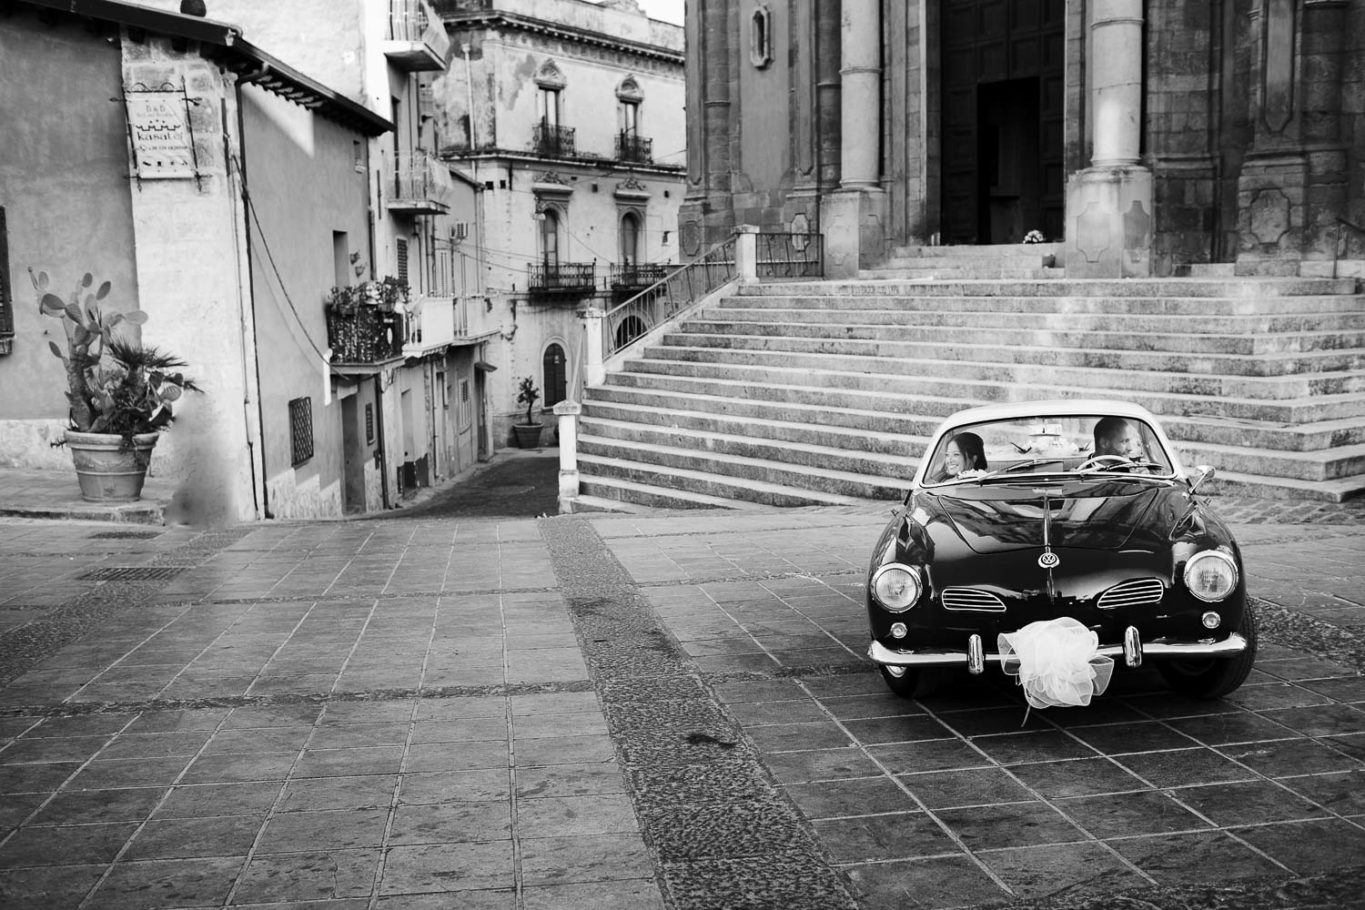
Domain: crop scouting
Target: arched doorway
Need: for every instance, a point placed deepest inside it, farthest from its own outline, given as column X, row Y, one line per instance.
column 628, row 329
column 1003, row 89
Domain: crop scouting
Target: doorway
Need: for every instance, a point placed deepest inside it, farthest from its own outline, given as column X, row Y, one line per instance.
column 353, row 457
column 1002, row 120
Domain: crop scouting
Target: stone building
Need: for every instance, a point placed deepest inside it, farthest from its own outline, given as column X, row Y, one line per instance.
column 569, row 117
column 1147, row 136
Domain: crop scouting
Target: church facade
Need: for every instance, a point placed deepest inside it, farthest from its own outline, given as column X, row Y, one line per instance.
column 1143, row 136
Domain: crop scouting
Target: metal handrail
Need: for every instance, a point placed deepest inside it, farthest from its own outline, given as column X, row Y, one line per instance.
column 1336, row 244
column 667, row 299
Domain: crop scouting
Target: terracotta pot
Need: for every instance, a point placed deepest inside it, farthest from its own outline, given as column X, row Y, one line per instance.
column 527, row 435
column 107, row 472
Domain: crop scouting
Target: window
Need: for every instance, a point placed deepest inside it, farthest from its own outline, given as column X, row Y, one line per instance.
column 301, row 430
column 369, row 424
column 549, row 237
column 628, row 114
column 403, row 260
column 630, row 239
column 554, row 383
column 547, row 106
column 760, row 38
column 465, row 414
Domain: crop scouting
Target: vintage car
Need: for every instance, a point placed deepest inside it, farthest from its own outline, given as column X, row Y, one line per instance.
column 1033, row 511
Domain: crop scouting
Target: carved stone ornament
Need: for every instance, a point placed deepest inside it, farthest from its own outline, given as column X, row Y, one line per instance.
column 549, row 76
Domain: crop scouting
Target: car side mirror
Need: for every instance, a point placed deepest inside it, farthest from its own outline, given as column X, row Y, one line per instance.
column 1206, row 473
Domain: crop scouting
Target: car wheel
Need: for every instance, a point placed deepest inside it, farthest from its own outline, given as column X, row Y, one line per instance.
column 911, row 683
column 1213, row 677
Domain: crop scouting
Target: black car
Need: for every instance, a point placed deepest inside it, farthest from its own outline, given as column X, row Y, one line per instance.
column 1038, row 511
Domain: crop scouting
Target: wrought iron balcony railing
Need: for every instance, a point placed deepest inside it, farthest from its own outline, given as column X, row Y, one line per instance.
column 367, row 335
column 562, row 277
column 631, row 275
column 548, row 139
column 632, row 147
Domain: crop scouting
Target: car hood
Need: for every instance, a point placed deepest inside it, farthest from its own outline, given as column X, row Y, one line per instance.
column 995, row 518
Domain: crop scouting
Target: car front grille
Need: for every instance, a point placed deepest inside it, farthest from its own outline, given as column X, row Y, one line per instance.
column 1136, row 592
column 972, row 599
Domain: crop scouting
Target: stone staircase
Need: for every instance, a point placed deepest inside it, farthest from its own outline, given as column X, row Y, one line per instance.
column 824, row 393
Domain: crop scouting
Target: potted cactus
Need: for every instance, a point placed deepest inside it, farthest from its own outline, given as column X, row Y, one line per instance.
column 527, row 434
column 120, row 391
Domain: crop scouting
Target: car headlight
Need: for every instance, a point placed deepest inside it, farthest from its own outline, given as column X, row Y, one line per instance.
column 1211, row 575
column 896, row 587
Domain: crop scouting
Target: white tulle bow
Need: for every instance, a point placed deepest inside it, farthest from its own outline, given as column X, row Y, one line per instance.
column 1056, row 661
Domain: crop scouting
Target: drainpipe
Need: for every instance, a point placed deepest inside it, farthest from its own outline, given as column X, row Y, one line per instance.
column 255, row 321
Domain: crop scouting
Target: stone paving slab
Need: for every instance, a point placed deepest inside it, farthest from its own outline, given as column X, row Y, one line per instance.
column 668, row 710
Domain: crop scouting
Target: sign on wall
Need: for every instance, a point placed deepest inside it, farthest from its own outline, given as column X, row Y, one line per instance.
column 160, row 132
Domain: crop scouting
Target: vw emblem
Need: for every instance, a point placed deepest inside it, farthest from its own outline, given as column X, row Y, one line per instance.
column 1049, row 560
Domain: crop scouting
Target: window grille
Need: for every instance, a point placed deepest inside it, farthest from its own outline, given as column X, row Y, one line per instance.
column 369, row 424
column 301, row 430
column 403, row 260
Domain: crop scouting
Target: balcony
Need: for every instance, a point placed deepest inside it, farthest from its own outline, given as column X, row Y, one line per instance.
column 418, row 185
column 562, row 278
column 417, row 39
column 634, row 276
column 557, row 141
column 634, row 148
column 365, row 336
column 435, row 323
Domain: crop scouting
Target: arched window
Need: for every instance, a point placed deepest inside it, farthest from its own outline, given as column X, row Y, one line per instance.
column 630, row 239
column 549, row 237
column 553, row 375
column 628, row 330
column 760, row 37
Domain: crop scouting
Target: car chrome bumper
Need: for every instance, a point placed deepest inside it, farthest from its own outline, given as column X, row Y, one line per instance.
column 1133, row 650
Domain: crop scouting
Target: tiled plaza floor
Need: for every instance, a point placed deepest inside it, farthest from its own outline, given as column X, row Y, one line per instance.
column 626, row 712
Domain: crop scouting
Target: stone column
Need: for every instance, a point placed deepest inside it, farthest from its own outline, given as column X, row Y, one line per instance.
column 746, row 253
column 706, row 213
column 1109, row 204
column 567, row 412
column 594, row 366
column 853, row 218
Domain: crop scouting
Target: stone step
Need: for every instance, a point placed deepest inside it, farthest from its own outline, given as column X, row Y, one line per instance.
column 769, row 481
column 1139, row 324
column 903, row 432
column 1326, row 464
column 696, row 483
column 947, row 271
column 774, row 422
column 1167, row 361
column 1059, row 287
column 1206, row 307
column 762, row 444
column 1175, row 342
column 937, row 377
column 1231, row 483
column 604, row 493
column 985, row 252
column 967, row 394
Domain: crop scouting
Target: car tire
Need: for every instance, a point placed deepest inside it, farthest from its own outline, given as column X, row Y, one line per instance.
column 1215, row 676
column 911, row 683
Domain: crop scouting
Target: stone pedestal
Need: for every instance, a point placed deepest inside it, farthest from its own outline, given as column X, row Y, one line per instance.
column 1109, row 229
column 854, row 224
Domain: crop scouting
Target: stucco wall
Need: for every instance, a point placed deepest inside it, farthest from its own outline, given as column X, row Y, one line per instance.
column 303, row 184
column 65, row 189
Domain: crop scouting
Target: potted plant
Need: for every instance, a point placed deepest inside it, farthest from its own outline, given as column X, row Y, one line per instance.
column 120, row 391
column 527, row 434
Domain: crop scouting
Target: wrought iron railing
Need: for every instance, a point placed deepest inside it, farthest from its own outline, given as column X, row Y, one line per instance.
column 548, row 139
column 632, row 147
column 668, row 298
column 562, row 277
column 789, row 255
column 628, row 275
column 368, row 335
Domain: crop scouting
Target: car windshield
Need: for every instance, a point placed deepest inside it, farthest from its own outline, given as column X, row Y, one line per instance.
column 1048, row 445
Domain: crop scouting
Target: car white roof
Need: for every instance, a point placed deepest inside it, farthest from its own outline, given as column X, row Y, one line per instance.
column 1061, row 407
